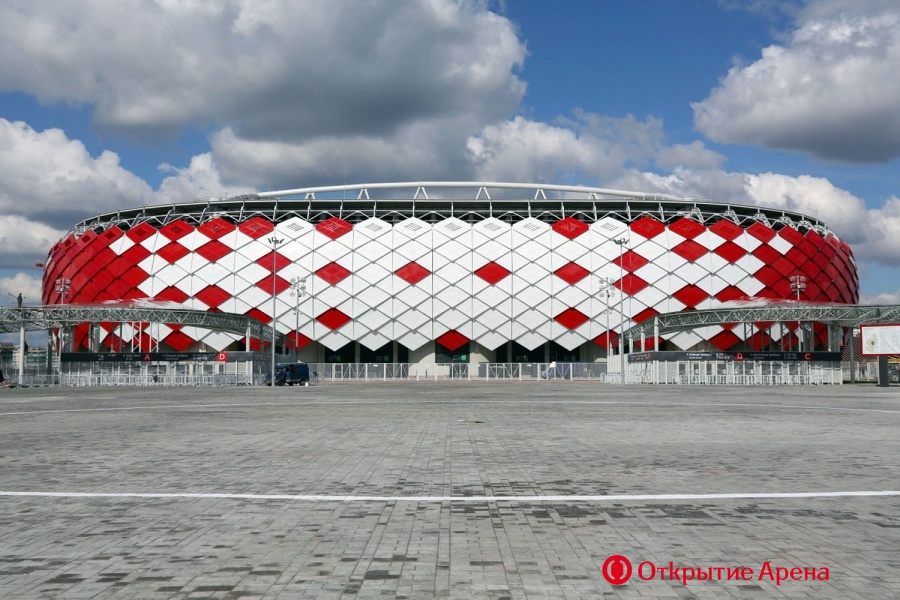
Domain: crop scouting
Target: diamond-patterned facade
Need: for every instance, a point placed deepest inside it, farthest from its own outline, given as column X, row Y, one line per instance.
column 414, row 282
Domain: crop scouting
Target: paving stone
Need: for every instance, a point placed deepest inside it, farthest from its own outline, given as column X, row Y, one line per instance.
column 443, row 439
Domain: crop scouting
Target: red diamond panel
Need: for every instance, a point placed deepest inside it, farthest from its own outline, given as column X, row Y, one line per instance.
column 172, row 294
column 176, row 230
column 333, row 227
column 691, row 296
column 178, row 341
column 266, row 284
column 760, row 340
column 110, row 235
column 766, row 253
column 452, row 340
column 333, row 318
column 784, row 266
column 172, row 252
column 296, row 339
column 600, row 340
column 730, row 293
column 796, row 256
column 768, row 275
column 266, row 261
column 213, row 250
column 724, row 340
column 140, row 232
column 571, row 273
column 687, row 228
column 212, row 296
column 631, row 284
column 648, row 227
column 134, row 255
column 645, row 314
column 216, row 228
column 258, row 315
column 570, row 227
column 492, row 273
column 256, row 227
column 730, row 251
column 134, row 276
column 332, row 273
column 761, row 232
column 690, row 250
column 571, row 318
column 412, row 272
column 791, row 235
column 725, row 229
column 631, row 261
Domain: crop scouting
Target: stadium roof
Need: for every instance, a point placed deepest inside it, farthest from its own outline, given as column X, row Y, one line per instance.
column 435, row 200
column 49, row 317
column 844, row 315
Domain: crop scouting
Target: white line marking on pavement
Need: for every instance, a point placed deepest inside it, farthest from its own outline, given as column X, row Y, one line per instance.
column 301, row 404
column 605, row 499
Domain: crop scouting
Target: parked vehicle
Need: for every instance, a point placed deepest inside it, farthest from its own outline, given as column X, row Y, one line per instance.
column 290, row 374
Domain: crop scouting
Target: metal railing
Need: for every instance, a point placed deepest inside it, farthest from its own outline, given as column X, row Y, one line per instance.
column 714, row 372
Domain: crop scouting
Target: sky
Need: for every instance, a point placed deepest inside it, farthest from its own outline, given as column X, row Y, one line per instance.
column 792, row 104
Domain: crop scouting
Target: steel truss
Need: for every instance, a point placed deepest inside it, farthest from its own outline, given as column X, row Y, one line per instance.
column 50, row 317
column 437, row 200
column 843, row 315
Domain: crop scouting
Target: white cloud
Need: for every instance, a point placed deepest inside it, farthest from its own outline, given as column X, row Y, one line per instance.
column 24, row 242
column 588, row 146
column 49, row 177
column 694, row 155
column 831, row 90
column 200, row 179
column 272, row 70
column 21, row 283
column 883, row 298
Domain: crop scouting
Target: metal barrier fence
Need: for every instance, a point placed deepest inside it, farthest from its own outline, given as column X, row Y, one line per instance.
column 254, row 373
column 715, row 372
column 557, row 371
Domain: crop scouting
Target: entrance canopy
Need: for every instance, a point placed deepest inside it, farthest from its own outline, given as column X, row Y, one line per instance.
column 66, row 315
column 840, row 315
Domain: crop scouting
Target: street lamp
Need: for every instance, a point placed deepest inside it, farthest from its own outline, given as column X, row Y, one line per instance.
column 274, row 241
column 63, row 284
column 606, row 290
column 620, row 242
column 19, row 299
column 798, row 284
column 298, row 289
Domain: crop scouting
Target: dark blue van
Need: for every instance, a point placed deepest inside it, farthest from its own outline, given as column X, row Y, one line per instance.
column 290, row 374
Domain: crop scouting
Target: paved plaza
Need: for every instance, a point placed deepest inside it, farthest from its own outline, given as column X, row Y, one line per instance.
column 385, row 474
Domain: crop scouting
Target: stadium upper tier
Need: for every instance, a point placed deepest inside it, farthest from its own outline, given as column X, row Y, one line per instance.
column 451, row 262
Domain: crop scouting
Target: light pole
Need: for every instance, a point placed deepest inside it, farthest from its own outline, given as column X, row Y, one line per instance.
column 620, row 242
column 19, row 299
column 798, row 283
column 298, row 289
column 274, row 241
column 606, row 285
column 62, row 288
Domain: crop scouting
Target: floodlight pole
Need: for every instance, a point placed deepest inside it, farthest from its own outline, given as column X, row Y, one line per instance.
column 798, row 283
column 621, row 243
column 274, row 241
column 62, row 287
column 606, row 291
column 298, row 289
column 19, row 299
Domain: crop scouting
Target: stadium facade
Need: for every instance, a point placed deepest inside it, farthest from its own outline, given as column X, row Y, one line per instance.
column 449, row 272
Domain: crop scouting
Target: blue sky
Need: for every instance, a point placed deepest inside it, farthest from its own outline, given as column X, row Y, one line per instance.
column 789, row 104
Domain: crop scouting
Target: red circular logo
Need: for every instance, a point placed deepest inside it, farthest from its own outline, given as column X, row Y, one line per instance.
column 617, row 569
